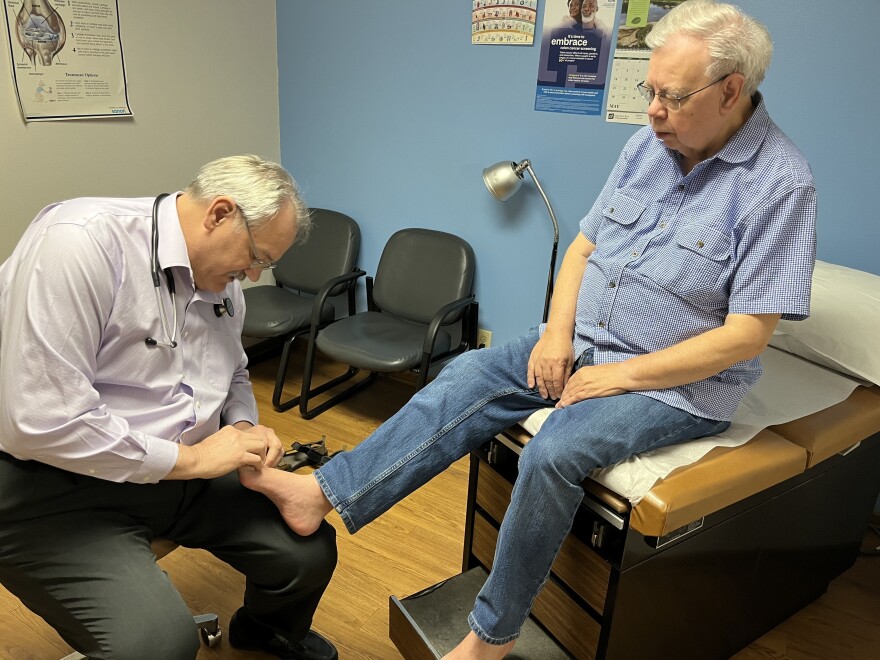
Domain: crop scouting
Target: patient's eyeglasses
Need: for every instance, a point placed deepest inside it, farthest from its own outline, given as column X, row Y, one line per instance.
column 671, row 101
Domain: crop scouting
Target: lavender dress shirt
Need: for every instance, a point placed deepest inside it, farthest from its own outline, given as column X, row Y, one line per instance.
column 79, row 387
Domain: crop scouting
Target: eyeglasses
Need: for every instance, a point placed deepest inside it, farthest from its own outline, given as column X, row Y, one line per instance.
column 256, row 262
column 670, row 101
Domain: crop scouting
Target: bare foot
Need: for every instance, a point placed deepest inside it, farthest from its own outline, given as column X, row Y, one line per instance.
column 474, row 648
column 298, row 497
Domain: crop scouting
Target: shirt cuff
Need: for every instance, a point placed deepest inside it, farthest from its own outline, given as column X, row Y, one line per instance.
column 239, row 412
column 160, row 460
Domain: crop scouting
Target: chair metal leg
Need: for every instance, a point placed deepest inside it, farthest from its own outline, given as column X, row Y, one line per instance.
column 339, row 398
column 307, row 392
column 277, row 404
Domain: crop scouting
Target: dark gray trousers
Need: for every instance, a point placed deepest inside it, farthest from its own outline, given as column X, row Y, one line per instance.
column 76, row 551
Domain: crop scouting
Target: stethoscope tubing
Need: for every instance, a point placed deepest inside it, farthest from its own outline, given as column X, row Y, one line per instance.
column 155, row 268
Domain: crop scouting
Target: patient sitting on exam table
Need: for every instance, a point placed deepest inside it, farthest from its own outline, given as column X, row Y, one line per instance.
column 701, row 240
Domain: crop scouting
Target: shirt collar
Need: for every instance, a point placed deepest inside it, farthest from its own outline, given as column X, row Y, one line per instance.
column 748, row 139
column 172, row 245
column 173, row 252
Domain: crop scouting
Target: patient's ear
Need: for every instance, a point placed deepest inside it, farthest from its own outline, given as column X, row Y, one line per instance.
column 731, row 91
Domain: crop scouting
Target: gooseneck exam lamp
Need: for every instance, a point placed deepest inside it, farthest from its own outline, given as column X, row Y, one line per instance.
column 503, row 180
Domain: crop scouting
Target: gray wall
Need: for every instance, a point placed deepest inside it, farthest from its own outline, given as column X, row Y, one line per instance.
column 202, row 83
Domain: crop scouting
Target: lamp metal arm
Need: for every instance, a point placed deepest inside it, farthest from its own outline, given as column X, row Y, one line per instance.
column 526, row 165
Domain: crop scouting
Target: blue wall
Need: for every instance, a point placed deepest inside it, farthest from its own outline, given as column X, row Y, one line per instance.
column 389, row 114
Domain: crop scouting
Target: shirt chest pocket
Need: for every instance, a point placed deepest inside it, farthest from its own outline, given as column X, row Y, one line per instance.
column 617, row 232
column 693, row 264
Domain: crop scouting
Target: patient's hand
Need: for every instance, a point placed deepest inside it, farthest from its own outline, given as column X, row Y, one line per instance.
column 550, row 364
column 592, row 382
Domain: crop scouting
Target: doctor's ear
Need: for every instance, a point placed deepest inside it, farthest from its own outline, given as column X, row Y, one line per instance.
column 219, row 209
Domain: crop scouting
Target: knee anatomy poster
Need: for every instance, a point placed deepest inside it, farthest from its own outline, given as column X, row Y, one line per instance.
column 66, row 58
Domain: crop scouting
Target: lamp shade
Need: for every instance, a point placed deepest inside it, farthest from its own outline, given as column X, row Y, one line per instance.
column 503, row 179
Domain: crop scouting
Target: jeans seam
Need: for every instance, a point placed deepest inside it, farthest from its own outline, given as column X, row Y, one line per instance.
column 342, row 505
column 334, row 502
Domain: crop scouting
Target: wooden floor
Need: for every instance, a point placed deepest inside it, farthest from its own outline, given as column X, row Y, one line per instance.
column 418, row 543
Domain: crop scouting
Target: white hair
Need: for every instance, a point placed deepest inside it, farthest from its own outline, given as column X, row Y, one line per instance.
column 737, row 43
column 259, row 187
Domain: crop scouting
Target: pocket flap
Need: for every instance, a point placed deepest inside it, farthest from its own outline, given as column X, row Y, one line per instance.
column 622, row 209
column 706, row 241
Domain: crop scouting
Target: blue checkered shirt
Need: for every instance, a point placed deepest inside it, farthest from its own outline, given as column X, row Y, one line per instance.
column 676, row 253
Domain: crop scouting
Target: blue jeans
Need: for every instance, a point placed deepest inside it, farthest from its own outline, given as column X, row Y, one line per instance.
column 475, row 397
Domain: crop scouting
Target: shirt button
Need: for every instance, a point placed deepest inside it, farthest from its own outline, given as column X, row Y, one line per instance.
column 146, row 477
column 198, row 405
column 601, row 324
column 611, row 285
column 681, row 186
column 635, row 254
column 92, row 471
column 700, row 244
column 662, row 225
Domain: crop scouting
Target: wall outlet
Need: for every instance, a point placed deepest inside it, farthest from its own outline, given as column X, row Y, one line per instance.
column 484, row 338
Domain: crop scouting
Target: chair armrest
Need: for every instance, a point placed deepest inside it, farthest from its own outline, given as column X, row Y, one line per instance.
column 437, row 320
column 371, row 304
column 324, row 292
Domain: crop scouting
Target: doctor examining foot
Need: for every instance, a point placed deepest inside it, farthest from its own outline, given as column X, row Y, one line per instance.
column 126, row 411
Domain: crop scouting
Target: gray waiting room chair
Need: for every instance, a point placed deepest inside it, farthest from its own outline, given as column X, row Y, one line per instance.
column 308, row 275
column 419, row 304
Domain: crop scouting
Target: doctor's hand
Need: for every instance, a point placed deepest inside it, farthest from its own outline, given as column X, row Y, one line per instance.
column 274, row 448
column 592, row 382
column 221, row 453
column 550, row 364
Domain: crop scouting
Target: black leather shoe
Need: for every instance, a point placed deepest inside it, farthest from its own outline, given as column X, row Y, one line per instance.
column 247, row 633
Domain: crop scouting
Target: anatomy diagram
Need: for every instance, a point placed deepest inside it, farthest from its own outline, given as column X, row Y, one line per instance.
column 40, row 31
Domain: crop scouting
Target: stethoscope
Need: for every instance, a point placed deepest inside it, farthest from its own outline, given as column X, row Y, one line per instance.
column 170, row 335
